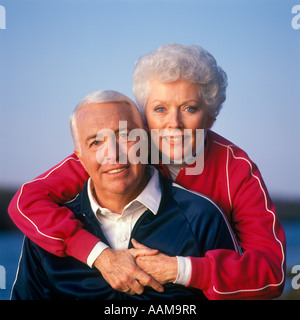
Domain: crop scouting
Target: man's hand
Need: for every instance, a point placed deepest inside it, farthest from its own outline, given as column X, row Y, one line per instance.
column 160, row 266
column 119, row 269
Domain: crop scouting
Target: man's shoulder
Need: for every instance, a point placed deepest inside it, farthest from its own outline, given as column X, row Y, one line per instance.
column 74, row 204
column 194, row 200
column 202, row 211
column 79, row 202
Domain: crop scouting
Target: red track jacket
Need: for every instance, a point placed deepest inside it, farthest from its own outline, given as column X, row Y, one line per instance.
column 229, row 177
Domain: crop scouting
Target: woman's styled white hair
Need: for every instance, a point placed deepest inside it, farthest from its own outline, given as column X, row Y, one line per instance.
column 172, row 62
column 101, row 96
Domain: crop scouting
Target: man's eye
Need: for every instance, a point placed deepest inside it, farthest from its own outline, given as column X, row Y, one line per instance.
column 95, row 143
column 123, row 136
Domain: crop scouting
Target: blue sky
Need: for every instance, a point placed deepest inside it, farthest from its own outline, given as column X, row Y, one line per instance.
column 54, row 52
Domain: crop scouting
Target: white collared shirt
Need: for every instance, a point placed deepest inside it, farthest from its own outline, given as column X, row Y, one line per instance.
column 117, row 227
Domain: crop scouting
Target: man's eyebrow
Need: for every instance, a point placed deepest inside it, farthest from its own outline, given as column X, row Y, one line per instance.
column 90, row 138
column 94, row 136
column 122, row 129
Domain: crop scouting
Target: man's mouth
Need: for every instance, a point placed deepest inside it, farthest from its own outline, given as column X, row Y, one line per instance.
column 117, row 170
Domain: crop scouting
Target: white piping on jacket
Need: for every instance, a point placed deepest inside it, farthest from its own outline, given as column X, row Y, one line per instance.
column 267, row 209
column 38, row 179
column 236, row 245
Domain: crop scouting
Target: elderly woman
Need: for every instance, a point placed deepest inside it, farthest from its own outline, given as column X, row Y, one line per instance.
column 177, row 88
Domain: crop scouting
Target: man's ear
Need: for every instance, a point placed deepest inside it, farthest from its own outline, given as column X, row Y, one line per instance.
column 78, row 154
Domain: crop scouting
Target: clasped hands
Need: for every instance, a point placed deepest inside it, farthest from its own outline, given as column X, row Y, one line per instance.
column 134, row 269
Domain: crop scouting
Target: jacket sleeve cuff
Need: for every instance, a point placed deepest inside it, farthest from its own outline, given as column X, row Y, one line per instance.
column 201, row 273
column 94, row 254
column 80, row 244
column 184, row 270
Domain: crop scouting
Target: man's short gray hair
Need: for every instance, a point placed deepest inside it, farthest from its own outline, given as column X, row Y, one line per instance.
column 101, row 96
column 172, row 62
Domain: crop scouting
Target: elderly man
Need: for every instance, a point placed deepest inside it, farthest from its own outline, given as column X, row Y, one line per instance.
column 124, row 205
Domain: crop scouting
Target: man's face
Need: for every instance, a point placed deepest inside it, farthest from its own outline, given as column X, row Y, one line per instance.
column 116, row 178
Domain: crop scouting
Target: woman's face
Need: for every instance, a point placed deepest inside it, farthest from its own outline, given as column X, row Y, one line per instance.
column 172, row 107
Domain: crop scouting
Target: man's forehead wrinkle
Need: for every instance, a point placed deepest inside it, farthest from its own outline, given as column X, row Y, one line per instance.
column 97, row 116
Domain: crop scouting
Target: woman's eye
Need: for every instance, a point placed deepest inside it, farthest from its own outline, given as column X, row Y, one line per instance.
column 191, row 109
column 160, row 109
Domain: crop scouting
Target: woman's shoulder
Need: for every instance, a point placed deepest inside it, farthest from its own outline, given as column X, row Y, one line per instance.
column 221, row 144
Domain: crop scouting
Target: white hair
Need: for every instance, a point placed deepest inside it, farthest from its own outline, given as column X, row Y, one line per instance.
column 101, row 96
column 172, row 62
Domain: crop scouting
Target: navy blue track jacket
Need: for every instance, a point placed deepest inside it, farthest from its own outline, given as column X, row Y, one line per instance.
column 187, row 224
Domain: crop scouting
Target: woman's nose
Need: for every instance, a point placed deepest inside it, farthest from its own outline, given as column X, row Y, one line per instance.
column 174, row 119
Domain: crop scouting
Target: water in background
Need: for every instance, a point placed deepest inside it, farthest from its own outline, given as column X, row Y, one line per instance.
column 11, row 245
column 10, row 249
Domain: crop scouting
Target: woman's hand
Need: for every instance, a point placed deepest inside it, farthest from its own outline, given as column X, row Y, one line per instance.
column 161, row 267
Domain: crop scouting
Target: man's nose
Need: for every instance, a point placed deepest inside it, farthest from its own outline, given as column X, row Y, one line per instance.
column 112, row 151
column 107, row 152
